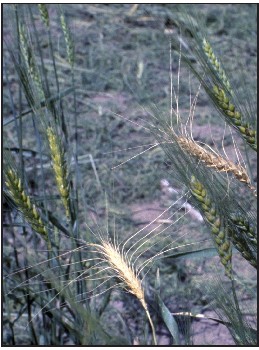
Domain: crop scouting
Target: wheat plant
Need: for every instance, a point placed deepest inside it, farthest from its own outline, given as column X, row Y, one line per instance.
column 76, row 268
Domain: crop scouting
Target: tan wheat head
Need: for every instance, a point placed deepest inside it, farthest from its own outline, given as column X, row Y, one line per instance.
column 125, row 273
column 215, row 161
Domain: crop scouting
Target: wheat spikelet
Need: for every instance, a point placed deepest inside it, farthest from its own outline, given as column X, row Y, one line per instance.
column 125, row 273
column 235, row 117
column 23, row 202
column 215, row 64
column 218, row 230
column 214, row 161
column 59, row 166
column 68, row 40
column 44, row 14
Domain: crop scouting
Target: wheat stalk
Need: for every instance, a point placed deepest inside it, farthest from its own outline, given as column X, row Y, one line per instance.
column 220, row 235
column 23, row 202
column 125, row 273
column 60, row 167
column 215, row 161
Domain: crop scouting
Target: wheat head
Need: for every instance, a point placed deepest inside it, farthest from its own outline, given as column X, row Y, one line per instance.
column 241, row 245
column 29, row 59
column 244, row 225
column 125, row 273
column 59, row 166
column 23, row 202
column 44, row 14
column 219, row 232
column 68, row 40
column 235, row 117
column 215, row 64
column 214, row 161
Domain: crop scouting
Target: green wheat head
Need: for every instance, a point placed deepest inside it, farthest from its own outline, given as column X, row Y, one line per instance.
column 216, row 64
column 218, row 230
column 247, row 229
column 29, row 211
column 235, row 117
column 30, row 61
column 44, row 14
column 68, row 40
column 59, row 167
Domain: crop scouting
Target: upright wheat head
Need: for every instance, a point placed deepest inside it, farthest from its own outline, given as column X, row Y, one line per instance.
column 125, row 273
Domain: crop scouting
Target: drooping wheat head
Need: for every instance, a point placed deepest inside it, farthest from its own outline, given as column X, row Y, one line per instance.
column 215, row 161
column 29, row 211
column 218, row 230
column 60, row 167
column 124, row 272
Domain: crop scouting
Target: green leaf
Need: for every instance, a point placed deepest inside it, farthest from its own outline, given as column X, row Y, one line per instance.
column 200, row 253
column 43, row 104
column 166, row 314
column 169, row 321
